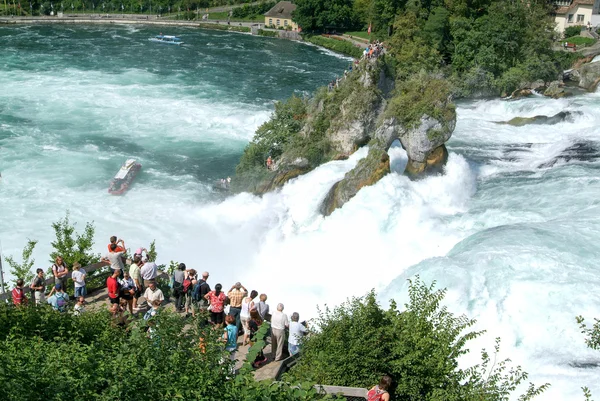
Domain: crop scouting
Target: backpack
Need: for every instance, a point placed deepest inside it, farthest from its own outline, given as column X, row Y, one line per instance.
column 187, row 284
column 375, row 394
column 200, row 290
column 61, row 302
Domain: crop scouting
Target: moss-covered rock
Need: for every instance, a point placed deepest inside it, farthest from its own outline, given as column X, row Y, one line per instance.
column 367, row 172
column 539, row 120
column 555, row 90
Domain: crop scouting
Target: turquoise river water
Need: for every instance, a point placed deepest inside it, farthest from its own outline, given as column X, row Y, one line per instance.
column 511, row 228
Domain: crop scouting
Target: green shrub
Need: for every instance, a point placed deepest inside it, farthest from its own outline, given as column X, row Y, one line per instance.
column 255, row 11
column 573, row 31
column 54, row 356
column 22, row 270
column 72, row 246
column 422, row 94
column 272, row 137
column 269, row 34
column 357, row 342
column 336, row 45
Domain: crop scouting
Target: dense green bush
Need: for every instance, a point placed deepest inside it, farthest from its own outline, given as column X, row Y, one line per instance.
column 269, row 34
column 252, row 11
column 272, row 137
column 573, row 31
column 337, row 45
column 422, row 94
column 51, row 356
column 357, row 342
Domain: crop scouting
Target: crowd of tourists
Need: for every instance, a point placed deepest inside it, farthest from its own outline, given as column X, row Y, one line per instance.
column 373, row 50
column 132, row 287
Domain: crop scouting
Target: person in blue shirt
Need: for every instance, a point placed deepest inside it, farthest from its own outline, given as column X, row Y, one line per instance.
column 59, row 299
column 230, row 335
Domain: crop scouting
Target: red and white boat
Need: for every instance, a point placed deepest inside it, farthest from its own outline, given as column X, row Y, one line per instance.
column 124, row 177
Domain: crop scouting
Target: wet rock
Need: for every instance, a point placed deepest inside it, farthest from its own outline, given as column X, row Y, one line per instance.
column 555, row 90
column 367, row 172
column 555, row 119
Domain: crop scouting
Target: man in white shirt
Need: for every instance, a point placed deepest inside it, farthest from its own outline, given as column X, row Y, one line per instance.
column 153, row 293
column 149, row 271
column 297, row 331
column 279, row 321
column 78, row 277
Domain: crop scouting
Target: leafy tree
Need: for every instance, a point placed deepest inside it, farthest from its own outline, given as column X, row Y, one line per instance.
column 383, row 15
column 317, row 15
column 23, row 270
column 271, row 138
column 72, row 246
column 152, row 254
column 409, row 48
column 357, row 342
column 436, row 30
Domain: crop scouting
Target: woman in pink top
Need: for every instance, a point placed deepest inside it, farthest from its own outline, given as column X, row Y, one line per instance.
column 216, row 299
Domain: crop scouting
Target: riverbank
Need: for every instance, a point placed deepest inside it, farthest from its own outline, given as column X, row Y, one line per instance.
column 341, row 45
column 138, row 19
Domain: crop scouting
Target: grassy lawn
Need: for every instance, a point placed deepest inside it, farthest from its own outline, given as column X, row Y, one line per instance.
column 222, row 16
column 359, row 34
column 580, row 41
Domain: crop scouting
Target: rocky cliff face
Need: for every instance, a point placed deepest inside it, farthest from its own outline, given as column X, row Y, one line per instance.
column 368, row 108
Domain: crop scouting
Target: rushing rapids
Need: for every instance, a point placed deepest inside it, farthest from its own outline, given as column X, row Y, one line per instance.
column 511, row 227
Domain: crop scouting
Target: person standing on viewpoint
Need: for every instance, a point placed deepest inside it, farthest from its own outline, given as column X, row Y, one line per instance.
column 279, row 322
column 78, row 277
column 136, row 276
column 112, row 286
column 236, row 295
column 115, row 257
column 38, row 285
column 60, row 271
column 149, row 271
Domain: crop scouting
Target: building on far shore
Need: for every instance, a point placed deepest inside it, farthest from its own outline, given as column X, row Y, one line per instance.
column 280, row 16
column 576, row 12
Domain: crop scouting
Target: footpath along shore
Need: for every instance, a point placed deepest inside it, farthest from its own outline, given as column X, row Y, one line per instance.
column 123, row 19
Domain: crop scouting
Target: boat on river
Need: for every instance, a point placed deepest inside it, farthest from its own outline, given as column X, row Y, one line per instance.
column 124, row 177
column 167, row 39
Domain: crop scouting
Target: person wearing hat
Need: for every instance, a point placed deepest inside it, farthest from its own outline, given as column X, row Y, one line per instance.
column 59, row 299
column 78, row 277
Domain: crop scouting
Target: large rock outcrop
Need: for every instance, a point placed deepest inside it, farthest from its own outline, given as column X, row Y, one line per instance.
column 421, row 134
column 586, row 76
column 367, row 107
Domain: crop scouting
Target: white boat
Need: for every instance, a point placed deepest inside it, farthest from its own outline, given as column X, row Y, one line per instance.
column 124, row 177
column 168, row 39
